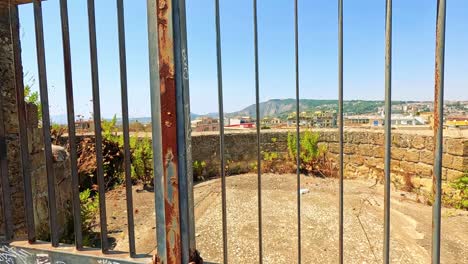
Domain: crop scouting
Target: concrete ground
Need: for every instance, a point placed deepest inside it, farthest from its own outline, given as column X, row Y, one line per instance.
column 363, row 222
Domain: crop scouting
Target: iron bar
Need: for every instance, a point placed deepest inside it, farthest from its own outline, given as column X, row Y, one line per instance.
column 298, row 135
column 169, row 128
column 125, row 126
column 71, row 124
column 23, row 131
column 181, row 85
column 41, row 63
column 97, row 125
column 257, row 124
column 221, row 131
column 438, row 129
column 341, row 127
column 5, row 183
column 187, row 129
column 388, row 129
column 158, row 174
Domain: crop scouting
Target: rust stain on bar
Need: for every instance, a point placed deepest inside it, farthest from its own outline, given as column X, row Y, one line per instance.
column 169, row 130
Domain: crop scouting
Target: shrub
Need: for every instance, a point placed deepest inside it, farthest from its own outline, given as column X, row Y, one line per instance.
column 458, row 198
column 142, row 159
column 89, row 213
column 109, row 130
column 33, row 98
column 312, row 156
column 199, row 170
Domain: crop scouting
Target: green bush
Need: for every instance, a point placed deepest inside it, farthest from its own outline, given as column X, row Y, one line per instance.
column 459, row 196
column 142, row 159
column 33, row 98
column 199, row 170
column 312, row 156
column 270, row 156
column 89, row 213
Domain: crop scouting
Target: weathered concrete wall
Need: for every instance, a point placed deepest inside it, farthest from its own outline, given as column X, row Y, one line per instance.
column 412, row 154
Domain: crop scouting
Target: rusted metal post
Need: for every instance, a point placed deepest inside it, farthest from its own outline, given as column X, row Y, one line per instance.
column 158, row 171
column 173, row 75
column 388, row 129
column 438, row 129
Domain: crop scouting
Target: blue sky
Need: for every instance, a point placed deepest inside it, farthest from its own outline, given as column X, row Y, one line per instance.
column 364, row 21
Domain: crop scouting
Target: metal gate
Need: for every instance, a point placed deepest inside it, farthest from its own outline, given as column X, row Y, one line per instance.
column 167, row 40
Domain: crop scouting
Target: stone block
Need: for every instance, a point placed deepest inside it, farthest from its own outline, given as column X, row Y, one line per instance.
column 453, row 175
column 426, row 156
column 418, row 142
column 454, row 162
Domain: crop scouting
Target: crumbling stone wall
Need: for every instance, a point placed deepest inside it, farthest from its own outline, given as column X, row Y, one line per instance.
column 412, row 154
column 10, row 122
column 35, row 148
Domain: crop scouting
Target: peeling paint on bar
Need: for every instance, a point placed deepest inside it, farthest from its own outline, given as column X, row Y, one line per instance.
column 169, row 130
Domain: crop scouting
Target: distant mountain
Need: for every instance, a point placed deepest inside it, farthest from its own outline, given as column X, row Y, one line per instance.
column 282, row 107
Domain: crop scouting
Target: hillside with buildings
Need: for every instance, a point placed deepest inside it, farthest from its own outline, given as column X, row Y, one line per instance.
column 278, row 113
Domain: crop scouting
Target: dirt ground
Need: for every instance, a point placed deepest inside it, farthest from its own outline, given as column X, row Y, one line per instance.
column 363, row 222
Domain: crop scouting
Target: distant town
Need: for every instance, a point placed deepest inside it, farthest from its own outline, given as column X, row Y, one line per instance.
column 279, row 113
column 404, row 115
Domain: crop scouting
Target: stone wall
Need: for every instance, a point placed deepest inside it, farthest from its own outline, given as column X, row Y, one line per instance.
column 412, row 153
column 10, row 124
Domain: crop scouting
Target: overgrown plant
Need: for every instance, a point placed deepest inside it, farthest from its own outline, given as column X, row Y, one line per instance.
column 33, row 98
column 142, row 157
column 89, row 212
column 312, row 158
column 459, row 197
column 199, row 170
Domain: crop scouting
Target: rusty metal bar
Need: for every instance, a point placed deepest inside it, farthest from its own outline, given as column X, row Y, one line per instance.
column 71, row 125
column 221, row 131
column 182, row 59
column 341, row 128
column 438, row 129
column 169, row 130
column 125, row 126
column 158, row 173
column 97, row 125
column 388, row 124
column 298, row 132
column 183, row 116
column 388, row 128
column 23, row 138
column 5, row 183
column 257, row 124
column 41, row 63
